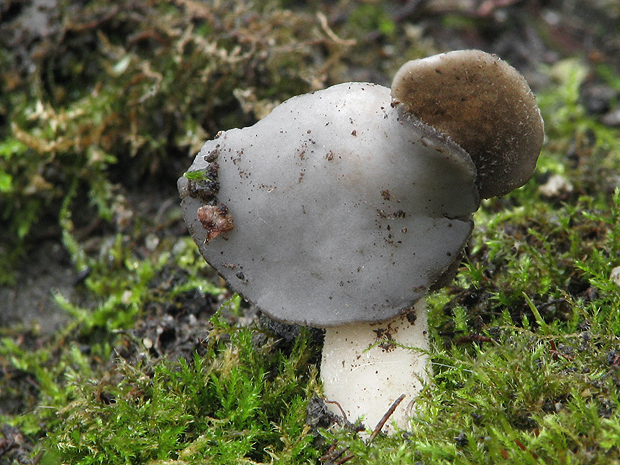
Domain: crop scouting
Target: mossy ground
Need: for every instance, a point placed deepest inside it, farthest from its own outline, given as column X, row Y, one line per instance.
column 157, row 363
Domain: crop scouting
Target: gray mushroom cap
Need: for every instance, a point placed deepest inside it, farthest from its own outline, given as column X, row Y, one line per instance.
column 335, row 208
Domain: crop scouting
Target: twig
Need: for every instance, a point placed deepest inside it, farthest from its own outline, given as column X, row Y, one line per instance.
column 345, row 459
column 385, row 418
column 331, row 34
column 344, row 415
column 334, row 454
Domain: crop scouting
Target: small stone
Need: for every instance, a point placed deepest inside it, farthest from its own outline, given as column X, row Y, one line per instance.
column 612, row 118
column 615, row 275
column 555, row 186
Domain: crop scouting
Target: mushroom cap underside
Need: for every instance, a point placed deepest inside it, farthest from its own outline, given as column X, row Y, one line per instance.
column 339, row 208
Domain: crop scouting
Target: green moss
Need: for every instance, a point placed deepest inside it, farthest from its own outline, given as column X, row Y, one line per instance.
column 372, row 17
column 197, row 176
column 239, row 403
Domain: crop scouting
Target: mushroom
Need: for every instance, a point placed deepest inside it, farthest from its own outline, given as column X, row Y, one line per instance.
column 343, row 207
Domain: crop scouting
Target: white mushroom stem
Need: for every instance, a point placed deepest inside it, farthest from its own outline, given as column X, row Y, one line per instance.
column 367, row 366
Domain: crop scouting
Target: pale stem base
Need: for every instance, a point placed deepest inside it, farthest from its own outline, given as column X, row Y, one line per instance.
column 367, row 366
